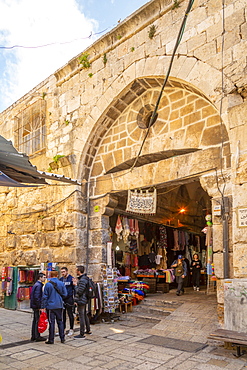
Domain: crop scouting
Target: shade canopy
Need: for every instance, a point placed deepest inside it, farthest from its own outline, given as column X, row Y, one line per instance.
column 17, row 171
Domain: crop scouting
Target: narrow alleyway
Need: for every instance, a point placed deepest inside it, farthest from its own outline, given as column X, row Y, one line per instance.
column 176, row 339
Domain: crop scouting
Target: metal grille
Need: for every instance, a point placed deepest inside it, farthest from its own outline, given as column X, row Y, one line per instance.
column 30, row 132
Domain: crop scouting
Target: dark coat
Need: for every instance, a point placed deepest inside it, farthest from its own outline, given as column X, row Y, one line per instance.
column 81, row 290
column 36, row 295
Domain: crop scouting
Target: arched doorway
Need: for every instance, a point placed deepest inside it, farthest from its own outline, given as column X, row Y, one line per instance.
column 187, row 144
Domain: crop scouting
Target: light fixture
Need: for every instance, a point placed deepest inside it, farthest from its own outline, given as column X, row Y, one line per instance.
column 182, row 210
column 117, row 248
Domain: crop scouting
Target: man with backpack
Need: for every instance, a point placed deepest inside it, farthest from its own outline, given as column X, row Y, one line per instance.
column 54, row 294
column 81, row 300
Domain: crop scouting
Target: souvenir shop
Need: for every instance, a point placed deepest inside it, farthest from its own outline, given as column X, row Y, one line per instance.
column 144, row 246
column 17, row 283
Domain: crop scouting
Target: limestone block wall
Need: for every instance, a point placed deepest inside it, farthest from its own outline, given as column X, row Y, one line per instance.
column 91, row 113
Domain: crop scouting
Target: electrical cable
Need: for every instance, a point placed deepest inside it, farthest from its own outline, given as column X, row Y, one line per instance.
column 221, row 104
column 153, row 117
column 42, row 210
column 54, row 43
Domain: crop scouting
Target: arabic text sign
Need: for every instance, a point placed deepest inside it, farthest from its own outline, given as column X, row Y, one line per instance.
column 242, row 217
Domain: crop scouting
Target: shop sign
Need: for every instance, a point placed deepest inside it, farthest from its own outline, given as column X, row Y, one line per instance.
column 217, row 210
column 142, row 202
column 242, row 217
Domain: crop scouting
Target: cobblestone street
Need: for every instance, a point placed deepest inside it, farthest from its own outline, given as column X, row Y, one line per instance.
column 130, row 343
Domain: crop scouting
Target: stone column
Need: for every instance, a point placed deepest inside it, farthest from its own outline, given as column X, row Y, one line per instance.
column 99, row 234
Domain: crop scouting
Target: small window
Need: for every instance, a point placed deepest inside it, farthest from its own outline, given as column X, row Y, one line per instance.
column 30, row 131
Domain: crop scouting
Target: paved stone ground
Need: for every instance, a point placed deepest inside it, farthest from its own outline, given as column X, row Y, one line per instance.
column 115, row 345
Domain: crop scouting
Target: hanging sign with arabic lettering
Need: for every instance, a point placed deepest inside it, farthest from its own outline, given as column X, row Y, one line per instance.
column 242, row 217
column 142, row 202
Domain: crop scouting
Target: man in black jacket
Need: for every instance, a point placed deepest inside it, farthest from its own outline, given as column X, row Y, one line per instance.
column 35, row 304
column 81, row 300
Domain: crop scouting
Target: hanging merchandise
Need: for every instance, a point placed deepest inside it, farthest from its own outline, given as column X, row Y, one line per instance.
column 142, row 202
column 126, row 229
column 163, row 236
column 119, row 228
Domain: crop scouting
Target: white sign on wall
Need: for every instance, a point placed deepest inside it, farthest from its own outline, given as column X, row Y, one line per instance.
column 242, row 217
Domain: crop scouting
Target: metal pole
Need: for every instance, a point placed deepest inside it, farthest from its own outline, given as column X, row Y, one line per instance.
column 225, row 216
column 88, row 220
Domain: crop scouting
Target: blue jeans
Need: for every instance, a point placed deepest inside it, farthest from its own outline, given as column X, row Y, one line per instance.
column 55, row 314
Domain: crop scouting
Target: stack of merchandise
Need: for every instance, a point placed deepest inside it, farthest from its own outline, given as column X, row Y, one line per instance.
column 110, row 289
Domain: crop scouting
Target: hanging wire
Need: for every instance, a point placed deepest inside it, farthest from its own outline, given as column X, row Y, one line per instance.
column 54, row 43
column 221, row 102
column 153, row 117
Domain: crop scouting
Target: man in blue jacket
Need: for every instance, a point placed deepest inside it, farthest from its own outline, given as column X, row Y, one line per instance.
column 35, row 304
column 53, row 296
column 67, row 279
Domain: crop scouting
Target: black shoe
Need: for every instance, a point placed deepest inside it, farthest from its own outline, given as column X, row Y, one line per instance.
column 177, row 293
column 80, row 336
column 32, row 339
column 182, row 291
column 40, row 339
column 89, row 332
column 62, row 340
column 49, row 342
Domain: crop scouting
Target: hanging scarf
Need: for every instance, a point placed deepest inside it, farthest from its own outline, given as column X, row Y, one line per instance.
column 126, row 229
column 118, row 228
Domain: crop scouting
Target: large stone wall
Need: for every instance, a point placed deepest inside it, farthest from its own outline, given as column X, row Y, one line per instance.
column 91, row 120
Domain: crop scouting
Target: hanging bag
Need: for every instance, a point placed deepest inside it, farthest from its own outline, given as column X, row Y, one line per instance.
column 43, row 322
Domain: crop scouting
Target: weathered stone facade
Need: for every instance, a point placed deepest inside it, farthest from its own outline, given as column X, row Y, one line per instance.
column 96, row 118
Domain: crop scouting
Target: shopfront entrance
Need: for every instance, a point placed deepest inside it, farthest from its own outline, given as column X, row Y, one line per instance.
column 145, row 246
column 182, row 160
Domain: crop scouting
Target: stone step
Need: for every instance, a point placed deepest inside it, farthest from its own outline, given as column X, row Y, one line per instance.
column 160, row 303
column 144, row 317
column 153, row 309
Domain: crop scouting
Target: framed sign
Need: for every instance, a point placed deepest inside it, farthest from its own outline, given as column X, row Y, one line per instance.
column 242, row 216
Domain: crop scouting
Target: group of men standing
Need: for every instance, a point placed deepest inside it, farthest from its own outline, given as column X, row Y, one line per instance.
column 58, row 298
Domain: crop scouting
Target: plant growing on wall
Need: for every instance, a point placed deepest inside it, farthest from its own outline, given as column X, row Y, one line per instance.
column 90, row 75
column 152, row 31
column 83, row 60
column 104, row 59
column 66, row 122
column 176, row 4
column 132, row 49
column 119, row 37
column 57, row 157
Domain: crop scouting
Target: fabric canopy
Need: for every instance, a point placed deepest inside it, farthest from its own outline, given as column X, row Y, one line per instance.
column 16, row 170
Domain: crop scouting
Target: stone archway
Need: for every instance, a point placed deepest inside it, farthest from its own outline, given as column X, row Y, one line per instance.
column 186, row 141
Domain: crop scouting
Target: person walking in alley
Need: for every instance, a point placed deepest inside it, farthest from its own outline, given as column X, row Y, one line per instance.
column 180, row 272
column 53, row 296
column 81, row 301
column 196, row 271
column 35, row 304
column 67, row 279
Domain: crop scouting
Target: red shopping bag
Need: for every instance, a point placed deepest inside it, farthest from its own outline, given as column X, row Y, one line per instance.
column 43, row 322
